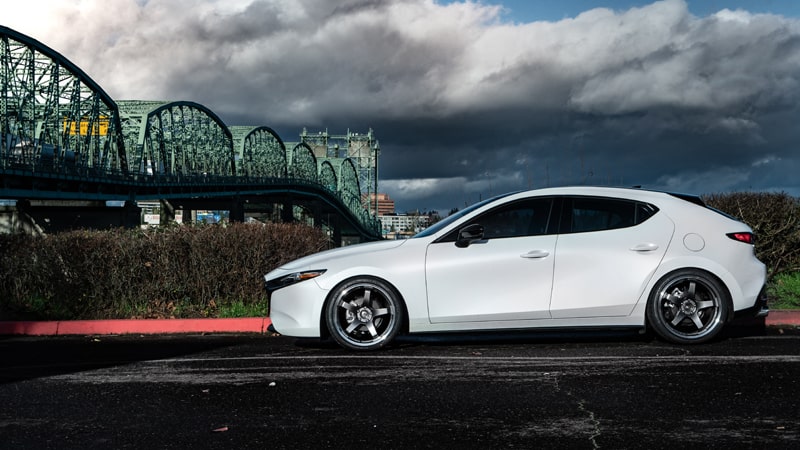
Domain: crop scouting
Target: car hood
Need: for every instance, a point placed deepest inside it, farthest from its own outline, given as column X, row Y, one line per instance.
column 318, row 260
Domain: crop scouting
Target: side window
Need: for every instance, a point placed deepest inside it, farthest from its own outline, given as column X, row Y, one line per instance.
column 597, row 214
column 523, row 218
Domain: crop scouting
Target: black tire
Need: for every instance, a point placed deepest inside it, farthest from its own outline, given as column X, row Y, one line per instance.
column 364, row 313
column 688, row 307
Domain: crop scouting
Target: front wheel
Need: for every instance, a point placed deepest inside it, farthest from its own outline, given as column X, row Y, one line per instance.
column 688, row 307
column 364, row 314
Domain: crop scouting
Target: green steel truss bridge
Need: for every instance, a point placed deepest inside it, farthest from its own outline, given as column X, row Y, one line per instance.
column 62, row 137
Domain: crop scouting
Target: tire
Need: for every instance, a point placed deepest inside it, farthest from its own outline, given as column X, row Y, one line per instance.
column 688, row 307
column 364, row 314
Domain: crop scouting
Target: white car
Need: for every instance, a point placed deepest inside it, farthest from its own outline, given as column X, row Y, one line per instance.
column 570, row 257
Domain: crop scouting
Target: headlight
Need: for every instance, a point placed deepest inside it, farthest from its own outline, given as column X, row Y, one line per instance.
column 288, row 280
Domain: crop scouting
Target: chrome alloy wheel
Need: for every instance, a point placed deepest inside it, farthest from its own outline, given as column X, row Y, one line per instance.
column 363, row 314
column 688, row 307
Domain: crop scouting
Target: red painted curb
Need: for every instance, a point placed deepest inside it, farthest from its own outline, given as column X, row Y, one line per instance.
column 775, row 318
column 778, row 317
column 148, row 326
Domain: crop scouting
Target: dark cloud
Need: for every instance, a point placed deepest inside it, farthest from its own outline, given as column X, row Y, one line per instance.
column 464, row 104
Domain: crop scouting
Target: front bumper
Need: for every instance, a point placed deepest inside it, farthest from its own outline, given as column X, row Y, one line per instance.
column 296, row 310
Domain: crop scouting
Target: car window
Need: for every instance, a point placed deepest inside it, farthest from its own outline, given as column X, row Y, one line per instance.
column 435, row 228
column 524, row 218
column 597, row 214
column 521, row 218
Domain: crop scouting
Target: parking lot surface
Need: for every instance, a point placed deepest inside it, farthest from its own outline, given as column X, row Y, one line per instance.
column 479, row 391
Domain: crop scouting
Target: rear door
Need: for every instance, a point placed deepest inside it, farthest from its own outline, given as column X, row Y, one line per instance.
column 606, row 255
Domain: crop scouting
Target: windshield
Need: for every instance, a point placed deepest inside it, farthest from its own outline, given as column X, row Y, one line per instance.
column 433, row 229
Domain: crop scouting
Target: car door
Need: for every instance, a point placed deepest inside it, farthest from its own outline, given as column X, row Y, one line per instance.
column 505, row 273
column 606, row 254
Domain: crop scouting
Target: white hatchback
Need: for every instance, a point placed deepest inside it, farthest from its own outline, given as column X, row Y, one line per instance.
column 570, row 257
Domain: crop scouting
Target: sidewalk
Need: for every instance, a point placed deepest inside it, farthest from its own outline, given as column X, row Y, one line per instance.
column 775, row 319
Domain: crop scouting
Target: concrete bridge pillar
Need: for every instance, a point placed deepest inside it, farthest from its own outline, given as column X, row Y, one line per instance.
column 132, row 215
column 337, row 234
column 287, row 212
column 236, row 211
column 167, row 212
column 188, row 216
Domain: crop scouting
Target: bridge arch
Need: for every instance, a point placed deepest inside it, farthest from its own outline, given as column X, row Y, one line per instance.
column 53, row 117
column 177, row 139
column 327, row 176
column 348, row 178
column 350, row 190
column 304, row 163
column 260, row 152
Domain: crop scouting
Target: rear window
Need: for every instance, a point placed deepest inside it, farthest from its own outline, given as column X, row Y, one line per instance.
column 699, row 202
column 586, row 214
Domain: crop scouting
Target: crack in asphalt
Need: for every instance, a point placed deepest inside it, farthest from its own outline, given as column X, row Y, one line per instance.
column 593, row 420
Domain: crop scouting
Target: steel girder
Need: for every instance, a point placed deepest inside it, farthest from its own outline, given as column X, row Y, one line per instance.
column 176, row 139
column 53, row 117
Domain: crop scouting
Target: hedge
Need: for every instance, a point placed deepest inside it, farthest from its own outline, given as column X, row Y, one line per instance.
column 174, row 271
column 775, row 220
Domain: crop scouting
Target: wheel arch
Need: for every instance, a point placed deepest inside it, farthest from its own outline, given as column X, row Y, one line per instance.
column 728, row 298
column 324, row 333
column 692, row 262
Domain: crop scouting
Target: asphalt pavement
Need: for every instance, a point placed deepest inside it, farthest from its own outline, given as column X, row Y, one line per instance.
column 509, row 390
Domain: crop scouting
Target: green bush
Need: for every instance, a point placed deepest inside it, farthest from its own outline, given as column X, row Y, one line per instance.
column 784, row 291
column 174, row 271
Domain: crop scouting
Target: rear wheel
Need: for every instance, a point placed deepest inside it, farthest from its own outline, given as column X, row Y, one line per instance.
column 688, row 307
column 364, row 314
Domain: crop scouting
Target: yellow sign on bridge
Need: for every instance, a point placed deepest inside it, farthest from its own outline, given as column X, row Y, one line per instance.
column 81, row 127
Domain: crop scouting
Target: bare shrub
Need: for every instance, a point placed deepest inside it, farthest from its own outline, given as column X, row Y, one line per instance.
column 774, row 218
column 175, row 271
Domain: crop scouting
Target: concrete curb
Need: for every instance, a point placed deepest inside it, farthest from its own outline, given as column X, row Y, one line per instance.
column 783, row 317
column 776, row 318
column 135, row 326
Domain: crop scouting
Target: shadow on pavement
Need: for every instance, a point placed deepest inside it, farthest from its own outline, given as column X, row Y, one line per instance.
column 740, row 328
column 23, row 358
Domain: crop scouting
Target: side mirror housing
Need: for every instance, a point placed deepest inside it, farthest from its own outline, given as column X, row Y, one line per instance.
column 469, row 234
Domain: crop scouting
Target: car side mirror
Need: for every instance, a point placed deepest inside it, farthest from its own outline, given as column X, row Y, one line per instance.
column 469, row 235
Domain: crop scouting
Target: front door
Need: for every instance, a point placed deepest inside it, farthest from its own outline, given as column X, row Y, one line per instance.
column 507, row 275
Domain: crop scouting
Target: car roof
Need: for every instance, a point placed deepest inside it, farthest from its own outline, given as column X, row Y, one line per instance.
column 605, row 191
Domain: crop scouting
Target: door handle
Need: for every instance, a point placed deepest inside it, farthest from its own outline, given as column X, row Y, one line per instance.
column 536, row 254
column 642, row 248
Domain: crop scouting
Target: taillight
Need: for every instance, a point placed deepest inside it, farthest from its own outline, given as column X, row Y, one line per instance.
column 747, row 238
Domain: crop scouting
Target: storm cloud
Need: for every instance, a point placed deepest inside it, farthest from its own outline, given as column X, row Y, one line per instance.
column 465, row 103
